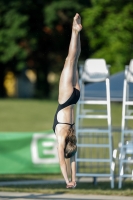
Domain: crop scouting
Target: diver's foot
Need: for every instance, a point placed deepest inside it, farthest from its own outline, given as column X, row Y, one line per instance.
column 77, row 23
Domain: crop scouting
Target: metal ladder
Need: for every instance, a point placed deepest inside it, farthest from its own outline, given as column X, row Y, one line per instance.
column 126, row 144
column 94, row 155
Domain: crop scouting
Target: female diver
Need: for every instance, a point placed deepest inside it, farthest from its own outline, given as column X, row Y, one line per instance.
column 69, row 93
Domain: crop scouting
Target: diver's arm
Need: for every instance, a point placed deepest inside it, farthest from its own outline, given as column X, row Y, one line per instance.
column 63, row 167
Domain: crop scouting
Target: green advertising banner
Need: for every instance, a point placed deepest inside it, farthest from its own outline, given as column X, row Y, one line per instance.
column 22, row 153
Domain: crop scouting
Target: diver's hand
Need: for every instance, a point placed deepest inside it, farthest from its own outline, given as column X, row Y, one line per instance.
column 71, row 184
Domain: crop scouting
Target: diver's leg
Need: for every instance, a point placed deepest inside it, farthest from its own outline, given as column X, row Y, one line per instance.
column 68, row 77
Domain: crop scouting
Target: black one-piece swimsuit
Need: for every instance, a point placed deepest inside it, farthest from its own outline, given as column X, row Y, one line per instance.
column 72, row 100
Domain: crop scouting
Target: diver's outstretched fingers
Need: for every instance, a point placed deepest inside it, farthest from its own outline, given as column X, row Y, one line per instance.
column 71, row 186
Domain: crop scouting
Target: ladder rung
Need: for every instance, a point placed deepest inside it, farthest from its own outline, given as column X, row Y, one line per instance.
column 129, row 103
column 93, row 145
column 128, row 117
column 92, row 130
column 92, row 102
column 128, row 131
column 92, row 160
column 126, row 161
column 93, row 116
column 129, row 145
column 126, row 175
column 94, row 175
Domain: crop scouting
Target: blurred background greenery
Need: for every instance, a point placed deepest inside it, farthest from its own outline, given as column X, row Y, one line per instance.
column 34, row 39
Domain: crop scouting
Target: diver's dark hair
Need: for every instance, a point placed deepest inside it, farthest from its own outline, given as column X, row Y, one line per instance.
column 71, row 147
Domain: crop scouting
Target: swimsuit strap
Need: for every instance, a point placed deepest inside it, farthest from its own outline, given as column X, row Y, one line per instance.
column 66, row 123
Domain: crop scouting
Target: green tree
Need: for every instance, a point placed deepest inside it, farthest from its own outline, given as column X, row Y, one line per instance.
column 11, row 33
column 22, row 40
column 109, row 28
column 36, row 34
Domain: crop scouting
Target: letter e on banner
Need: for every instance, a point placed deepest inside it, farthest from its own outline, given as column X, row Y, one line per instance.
column 46, row 143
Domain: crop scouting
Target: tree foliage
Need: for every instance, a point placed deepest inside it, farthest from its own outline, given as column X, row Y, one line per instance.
column 36, row 34
column 12, row 33
column 109, row 26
